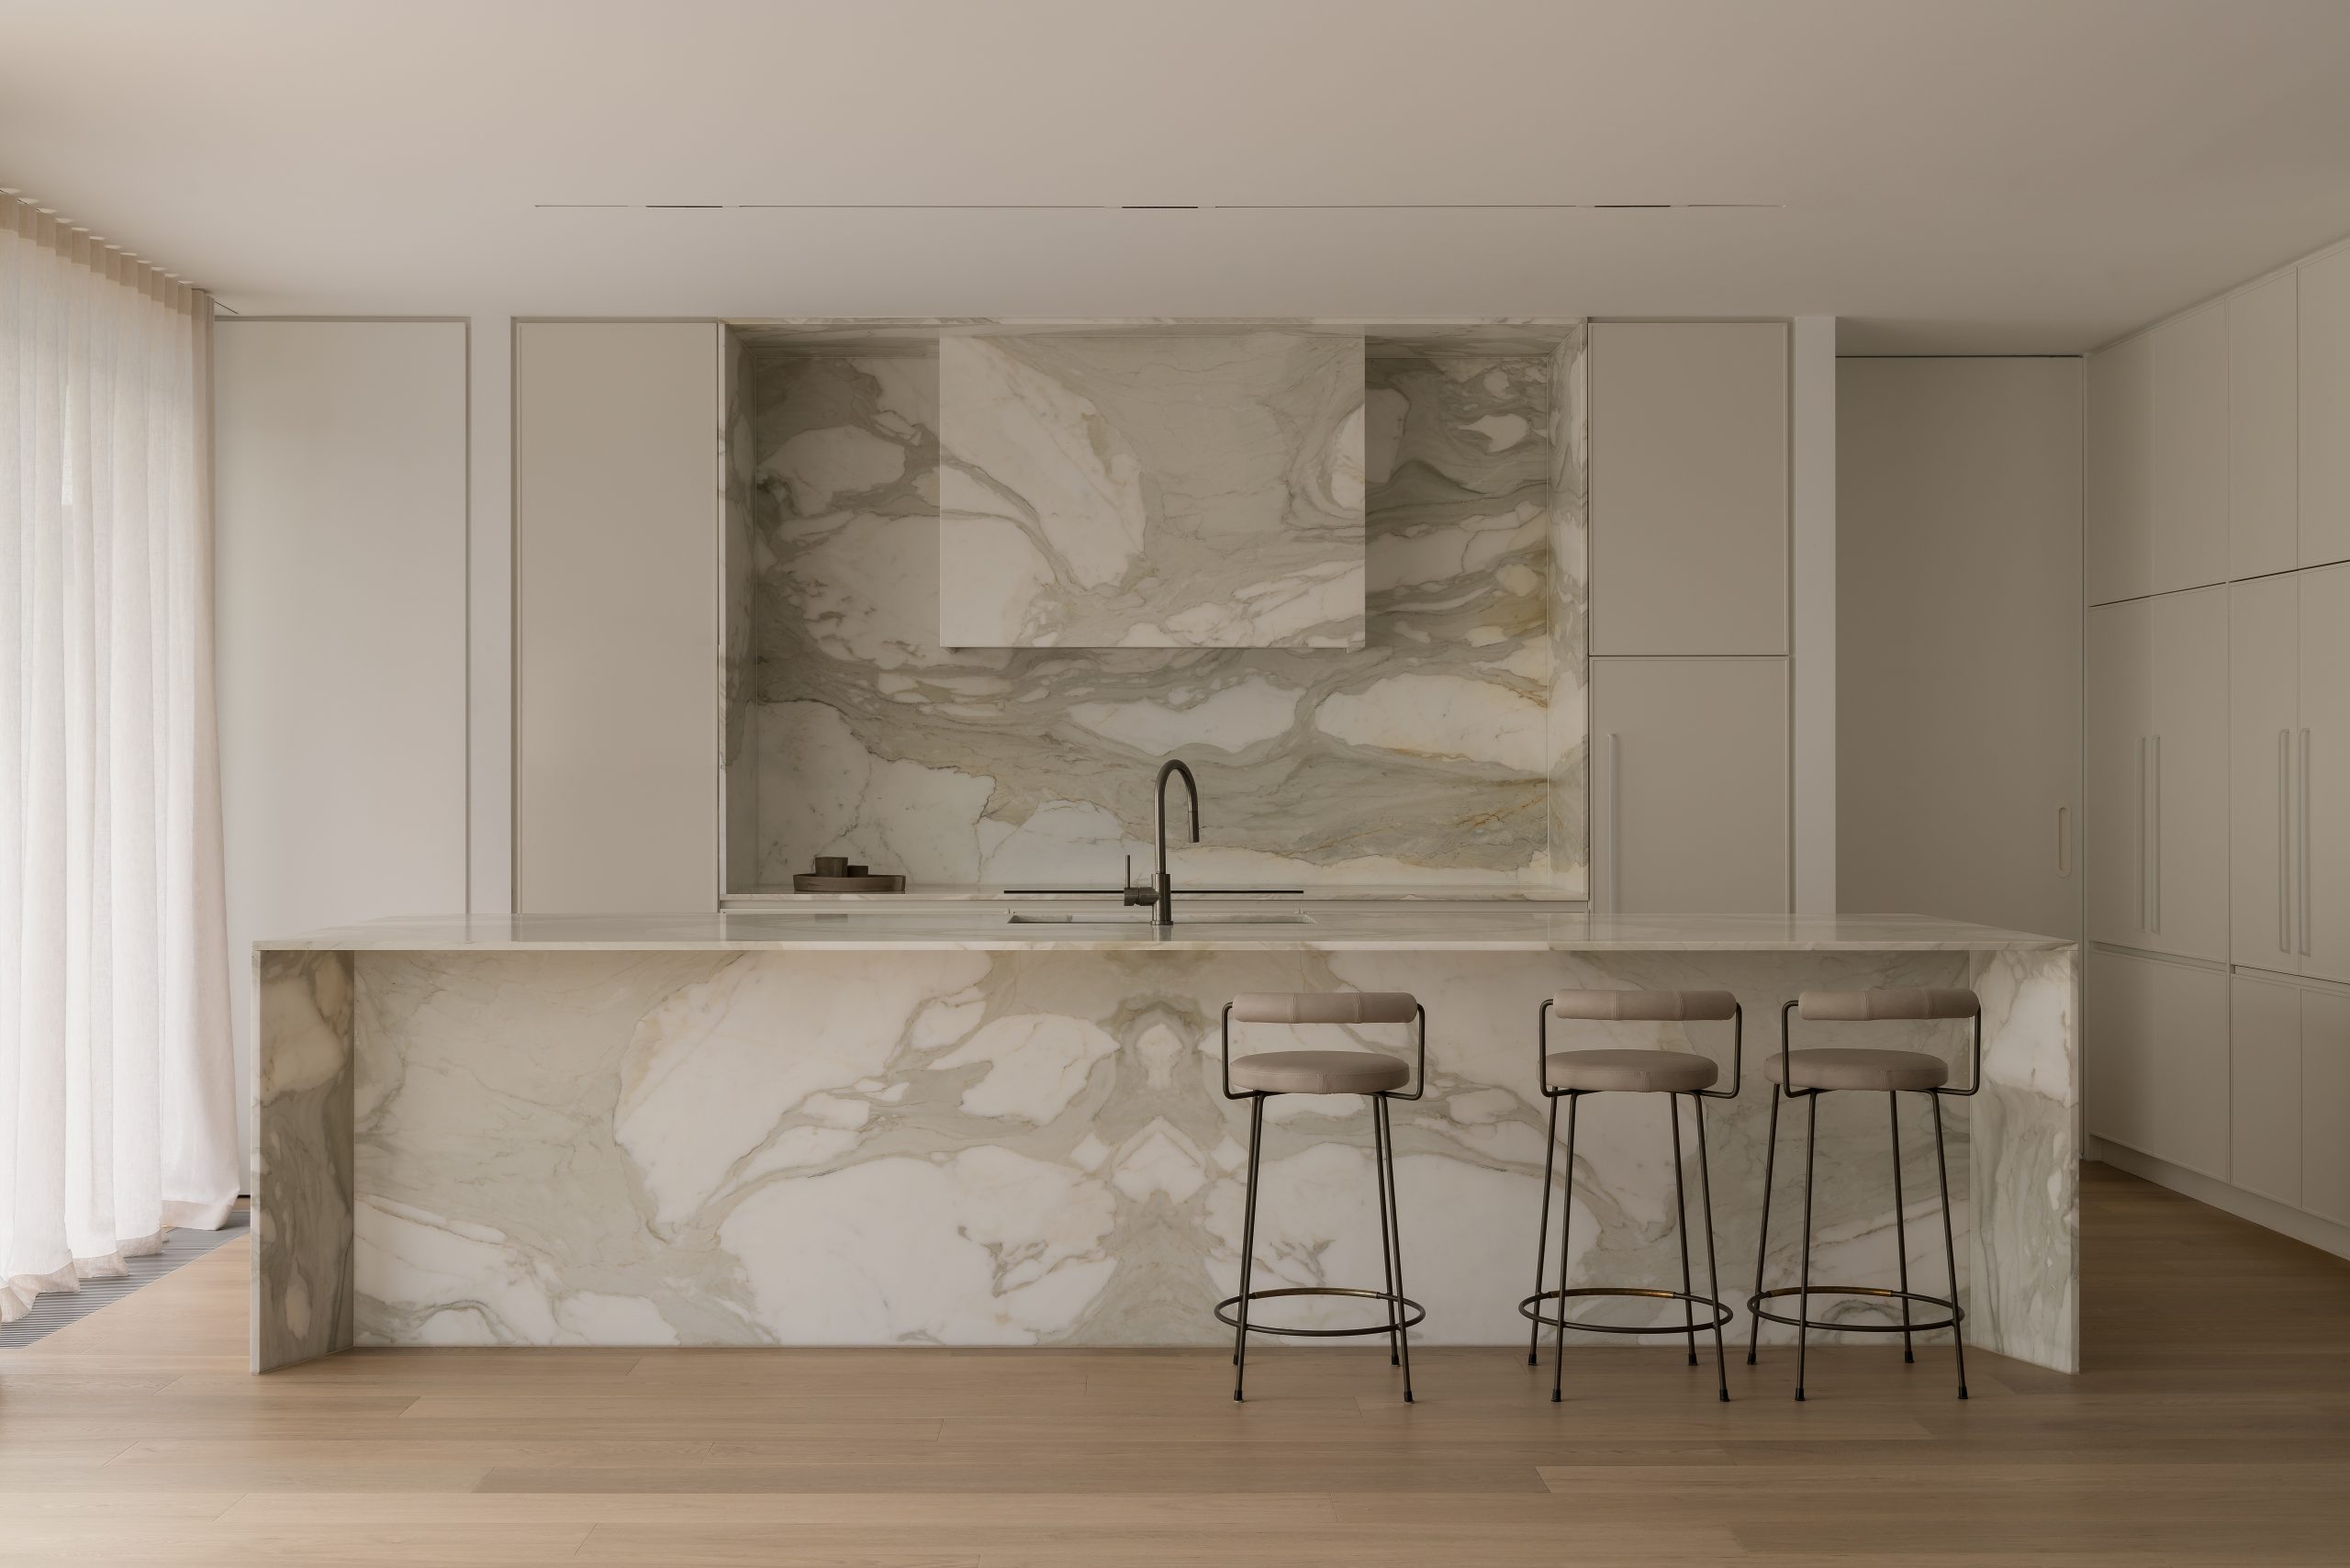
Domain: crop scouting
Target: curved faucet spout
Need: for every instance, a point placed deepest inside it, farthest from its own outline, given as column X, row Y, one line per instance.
column 1162, row 885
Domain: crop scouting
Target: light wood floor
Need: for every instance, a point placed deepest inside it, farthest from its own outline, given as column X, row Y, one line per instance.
column 2213, row 1426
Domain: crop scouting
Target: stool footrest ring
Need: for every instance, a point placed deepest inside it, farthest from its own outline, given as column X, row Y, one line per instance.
column 1957, row 1313
column 1531, row 1307
column 1225, row 1315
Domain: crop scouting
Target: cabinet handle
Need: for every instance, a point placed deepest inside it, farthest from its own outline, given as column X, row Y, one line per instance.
column 2155, row 836
column 2284, row 841
column 1614, row 840
column 2306, row 861
column 2142, row 832
column 2064, row 841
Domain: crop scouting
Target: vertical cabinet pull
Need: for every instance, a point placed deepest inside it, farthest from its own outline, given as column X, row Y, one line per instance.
column 1615, row 839
column 2284, row 841
column 2155, row 837
column 2144, row 924
column 2064, row 841
column 2305, row 842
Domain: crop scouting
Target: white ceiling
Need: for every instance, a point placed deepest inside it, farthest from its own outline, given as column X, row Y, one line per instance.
column 1949, row 175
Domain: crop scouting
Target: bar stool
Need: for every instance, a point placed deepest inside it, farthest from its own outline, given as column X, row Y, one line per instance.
column 1571, row 1075
column 1370, row 1073
column 1807, row 1075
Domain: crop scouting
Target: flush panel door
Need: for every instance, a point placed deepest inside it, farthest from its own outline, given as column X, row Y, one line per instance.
column 2186, row 775
column 1689, row 488
column 2118, row 522
column 2325, row 409
column 2264, row 477
column 2325, row 1105
column 2265, row 1088
column 1689, row 783
column 2155, row 1036
column 2189, row 515
column 2264, row 721
column 2323, row 788
column 2119, row 673
column 617, row 482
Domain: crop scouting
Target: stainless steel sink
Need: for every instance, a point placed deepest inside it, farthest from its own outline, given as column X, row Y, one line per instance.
column 1143, row 921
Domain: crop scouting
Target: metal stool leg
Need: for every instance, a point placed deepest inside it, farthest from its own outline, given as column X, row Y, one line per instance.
column 1542, row 1234
column 1247, row 1243
column 1950, row 1246
column 1681, row 1217
column 1566, row 1224
column 1713, row 1268
column 1386, row 1248
column 1762, row 1241
column 1810, row 1170
column 1900, row 1226
column 1395, row 1212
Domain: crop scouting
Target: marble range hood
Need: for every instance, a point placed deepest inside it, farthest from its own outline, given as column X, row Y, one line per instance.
column 1151, row 488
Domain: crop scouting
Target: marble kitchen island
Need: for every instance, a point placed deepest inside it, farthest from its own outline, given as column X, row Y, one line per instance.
column 878, row 1126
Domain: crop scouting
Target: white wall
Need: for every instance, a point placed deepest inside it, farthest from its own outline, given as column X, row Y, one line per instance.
column 340, row 490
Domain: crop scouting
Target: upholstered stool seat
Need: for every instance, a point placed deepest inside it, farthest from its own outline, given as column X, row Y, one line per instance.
column 1371, row 1073
column 1320, row 1072
column 1571, row 1075
column 1887, row 1072
column 1636, row 1073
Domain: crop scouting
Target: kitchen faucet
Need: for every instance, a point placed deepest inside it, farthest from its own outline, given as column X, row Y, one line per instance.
column 1160, row 894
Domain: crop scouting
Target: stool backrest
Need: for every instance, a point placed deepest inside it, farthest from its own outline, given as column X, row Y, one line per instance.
column 1875, row 1006
column 1325, row 1007
column 1644, row 1006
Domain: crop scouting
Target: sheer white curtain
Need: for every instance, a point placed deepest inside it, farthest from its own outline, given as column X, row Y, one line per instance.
column 115, row 1082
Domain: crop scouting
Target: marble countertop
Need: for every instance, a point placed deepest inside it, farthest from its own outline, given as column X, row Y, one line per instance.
column 988, row 928
column 1040, row 891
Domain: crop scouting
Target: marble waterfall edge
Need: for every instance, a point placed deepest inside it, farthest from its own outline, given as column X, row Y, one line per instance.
column 1029, row 1147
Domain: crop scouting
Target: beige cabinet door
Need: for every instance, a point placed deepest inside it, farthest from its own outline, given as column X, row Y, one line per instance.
column 2265, row 1088
column 2155, row 1037
column 2325, row 1105
column 2322, row 785
column 2187, row 777
column 2119, row 683
column 2189, row 515
column 617, row 482
column 1689, row 487
column 2264, row 397
column 2324, row 455
column 2120, row 452
column 1689, row 786
column 2264, row 721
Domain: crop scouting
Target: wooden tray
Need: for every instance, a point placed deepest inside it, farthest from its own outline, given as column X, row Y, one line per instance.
column 809, row 882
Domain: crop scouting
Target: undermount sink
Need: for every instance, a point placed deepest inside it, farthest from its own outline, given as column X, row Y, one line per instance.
column 1023, row 918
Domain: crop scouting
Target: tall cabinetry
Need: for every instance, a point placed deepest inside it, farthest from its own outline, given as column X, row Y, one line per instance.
column 2217, row 1014
column 1690, row 685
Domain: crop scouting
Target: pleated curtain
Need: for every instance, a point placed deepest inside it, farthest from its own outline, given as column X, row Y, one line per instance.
column 116, row 1121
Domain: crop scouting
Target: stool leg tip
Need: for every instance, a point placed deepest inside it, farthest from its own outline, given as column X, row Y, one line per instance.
column 1909, row 1355
column 1532, row 1359
column 1750, row 1358
column 1962, row 1391
column 1724, row 1393
column 1554, row 1397
column 1798, row 1396
column 1693, row 1358
column 1407, row 1396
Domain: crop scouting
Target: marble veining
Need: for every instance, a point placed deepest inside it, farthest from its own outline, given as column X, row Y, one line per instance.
column 1022, row 1149
column 302, row 1277
column 1151, row 489
column 1438, row 753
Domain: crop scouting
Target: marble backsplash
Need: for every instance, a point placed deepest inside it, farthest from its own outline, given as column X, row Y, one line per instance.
column 1151, row 489
column 1448, row 750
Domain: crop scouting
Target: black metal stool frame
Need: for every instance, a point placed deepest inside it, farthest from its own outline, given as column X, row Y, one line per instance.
column 1403, row 1312
column 1531, row 1307
column 1803, row 1322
